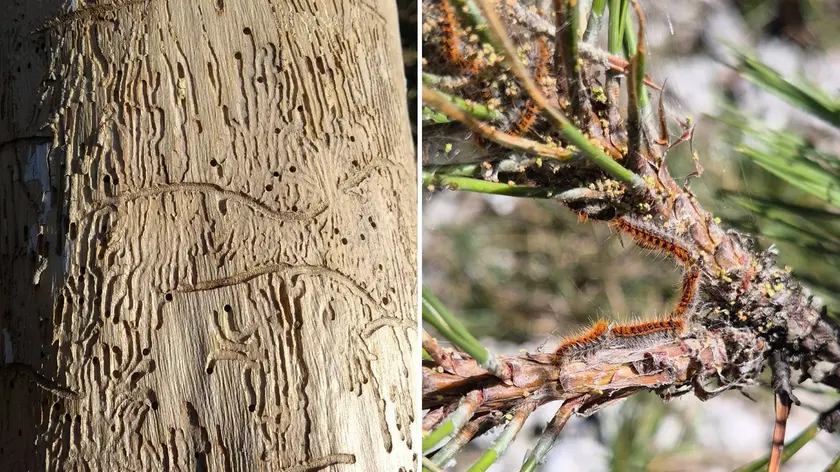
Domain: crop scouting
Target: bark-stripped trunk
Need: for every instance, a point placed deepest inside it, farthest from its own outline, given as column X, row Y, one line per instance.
column 207, row 232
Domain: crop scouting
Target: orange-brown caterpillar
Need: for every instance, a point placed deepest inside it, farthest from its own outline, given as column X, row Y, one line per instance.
column 689, row 287
column 585, row 342
column 582, row 216
column 644, row 332
column 646, row 328
column 649, row 237
column 531, row 111
column 526, row 119
column 450, row 42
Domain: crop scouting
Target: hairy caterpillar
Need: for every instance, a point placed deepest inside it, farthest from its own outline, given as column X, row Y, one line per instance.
column 586, row 341
column 650, row 237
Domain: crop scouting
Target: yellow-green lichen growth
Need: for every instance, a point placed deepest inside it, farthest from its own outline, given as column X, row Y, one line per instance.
column 599, row 95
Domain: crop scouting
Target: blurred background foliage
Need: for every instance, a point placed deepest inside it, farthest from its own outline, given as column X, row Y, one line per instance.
column 761, row 80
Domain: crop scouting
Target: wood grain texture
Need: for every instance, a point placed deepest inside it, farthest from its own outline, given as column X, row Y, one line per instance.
column 208, row 237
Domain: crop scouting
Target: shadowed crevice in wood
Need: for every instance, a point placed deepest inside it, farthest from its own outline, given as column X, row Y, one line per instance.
column 35, row 140
column 360, row 176
column 17, row 368
column 322, row 463
column 91, row 12
column 372, row 326
column 208, row 189
column 280, row 269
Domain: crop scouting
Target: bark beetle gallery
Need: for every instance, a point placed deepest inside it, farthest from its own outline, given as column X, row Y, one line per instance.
column 207, row 237
column 541, row 104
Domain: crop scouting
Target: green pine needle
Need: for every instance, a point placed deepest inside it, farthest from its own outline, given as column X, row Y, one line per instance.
column 804, row 96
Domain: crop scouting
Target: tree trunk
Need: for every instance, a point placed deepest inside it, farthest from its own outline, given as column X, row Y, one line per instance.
column 208, row 237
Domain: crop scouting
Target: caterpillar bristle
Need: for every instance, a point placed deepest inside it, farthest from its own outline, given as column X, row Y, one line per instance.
column 586, row 341
column 531, row 111
column 688, row 292
column 451, row 42
column 645, row 333
column 649, row 237
column 645, row 328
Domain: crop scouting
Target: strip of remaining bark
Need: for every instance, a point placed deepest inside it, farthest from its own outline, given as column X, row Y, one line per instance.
column 730, row 358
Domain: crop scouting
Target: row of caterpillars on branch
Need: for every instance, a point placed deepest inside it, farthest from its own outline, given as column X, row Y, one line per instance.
column 643, row 333
column 477, row 67
column 473, row 71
